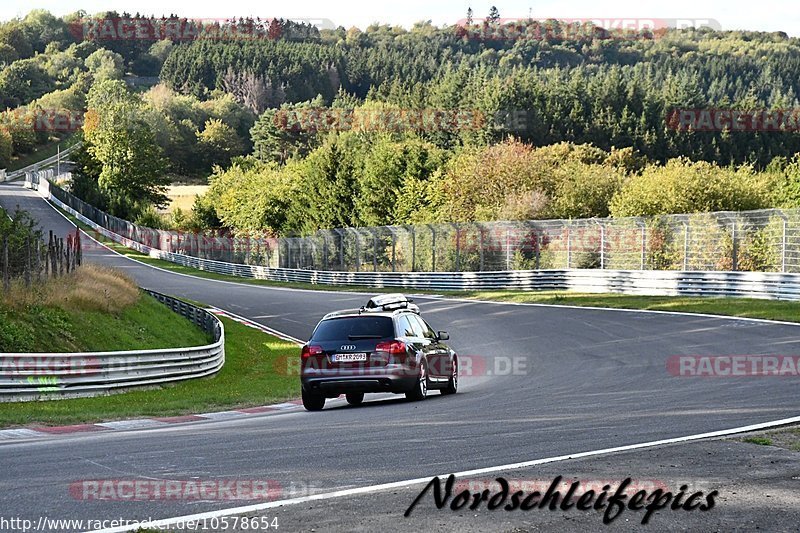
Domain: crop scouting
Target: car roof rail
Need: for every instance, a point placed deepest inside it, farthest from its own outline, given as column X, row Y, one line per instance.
column 342, row 312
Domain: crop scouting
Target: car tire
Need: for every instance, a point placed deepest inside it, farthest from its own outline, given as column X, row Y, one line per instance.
column 452, row 384
column 420, row 390
column 313, row 401
column 355, row 398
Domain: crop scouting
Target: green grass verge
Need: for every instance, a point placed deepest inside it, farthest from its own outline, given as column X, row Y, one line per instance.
column 741, row 307
column 254, row 374
column 144, row 326
column 41, row 152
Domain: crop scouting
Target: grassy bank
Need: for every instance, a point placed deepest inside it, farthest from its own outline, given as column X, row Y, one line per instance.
column 92, row 309
column 255, row 373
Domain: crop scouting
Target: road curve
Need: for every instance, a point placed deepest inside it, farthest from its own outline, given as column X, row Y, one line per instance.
column 592, row 379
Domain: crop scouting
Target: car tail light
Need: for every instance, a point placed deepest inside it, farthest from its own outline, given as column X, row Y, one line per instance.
column 392, row 347
column 309, row 351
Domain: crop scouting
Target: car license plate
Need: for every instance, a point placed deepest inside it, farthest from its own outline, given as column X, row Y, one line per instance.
column 348, row 357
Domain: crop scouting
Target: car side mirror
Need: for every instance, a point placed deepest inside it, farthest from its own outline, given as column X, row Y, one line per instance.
column 442, row 335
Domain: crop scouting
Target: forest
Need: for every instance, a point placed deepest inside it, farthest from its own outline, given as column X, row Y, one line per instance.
column 297, row 128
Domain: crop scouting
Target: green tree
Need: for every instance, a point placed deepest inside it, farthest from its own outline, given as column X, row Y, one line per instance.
column 132, row 175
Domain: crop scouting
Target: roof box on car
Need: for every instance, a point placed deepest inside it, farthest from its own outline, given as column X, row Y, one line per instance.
column 390, row 302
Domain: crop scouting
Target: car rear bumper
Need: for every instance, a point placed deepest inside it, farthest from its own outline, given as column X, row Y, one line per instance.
column 373, row 383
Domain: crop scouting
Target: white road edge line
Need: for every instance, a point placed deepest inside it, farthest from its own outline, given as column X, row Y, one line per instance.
column 167, row 522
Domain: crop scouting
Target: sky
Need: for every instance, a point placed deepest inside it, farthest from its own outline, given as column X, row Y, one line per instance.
column 766, row 15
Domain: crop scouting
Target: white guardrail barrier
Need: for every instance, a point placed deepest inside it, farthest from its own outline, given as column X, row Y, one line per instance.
column 12, row 175
column 46, row 376
column 763, row 285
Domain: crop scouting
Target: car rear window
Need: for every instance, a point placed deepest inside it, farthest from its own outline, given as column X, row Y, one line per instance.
column 343, row 328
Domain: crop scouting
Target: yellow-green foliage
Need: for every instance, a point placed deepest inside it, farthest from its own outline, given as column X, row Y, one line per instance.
column 683, row 186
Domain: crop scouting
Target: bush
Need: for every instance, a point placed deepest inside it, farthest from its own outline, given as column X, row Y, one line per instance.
column 683, row 186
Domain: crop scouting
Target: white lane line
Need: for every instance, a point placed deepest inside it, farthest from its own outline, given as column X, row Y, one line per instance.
column 247, row 322
column 167, row 522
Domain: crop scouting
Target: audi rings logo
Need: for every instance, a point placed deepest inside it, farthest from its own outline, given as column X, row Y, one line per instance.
column 346, row 347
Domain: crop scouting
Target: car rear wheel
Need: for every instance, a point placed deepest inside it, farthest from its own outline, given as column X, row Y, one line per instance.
column 355, row 398
column 420, row 390
column 452, row 384
column 313, row 401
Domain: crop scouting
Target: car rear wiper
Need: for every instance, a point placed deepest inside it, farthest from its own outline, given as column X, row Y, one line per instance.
column 358, row 337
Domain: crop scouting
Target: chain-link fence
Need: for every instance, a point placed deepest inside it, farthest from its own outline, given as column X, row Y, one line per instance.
column 765, row 240
column 214, row 245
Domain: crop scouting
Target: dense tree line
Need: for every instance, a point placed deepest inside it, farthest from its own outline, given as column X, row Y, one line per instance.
column 596, row 88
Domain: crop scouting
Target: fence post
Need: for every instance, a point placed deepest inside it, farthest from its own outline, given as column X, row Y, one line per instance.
column 458, row 247
column 433, row 249
column 358, row 252
column 374, row 249
column 413, row 248
column 685, row 246
column 508, row 249
column 602, row 246
column 783, row 247
column 6, row 274
column 394, row 250
column 480, row 244
column 569, row 247
column 27, row 275
column 38, row 265
column 644, row 244
column 734, row 252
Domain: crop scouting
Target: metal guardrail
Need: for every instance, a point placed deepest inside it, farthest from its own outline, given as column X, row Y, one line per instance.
column 40, row 164
column 44, row 376
column 762, row 285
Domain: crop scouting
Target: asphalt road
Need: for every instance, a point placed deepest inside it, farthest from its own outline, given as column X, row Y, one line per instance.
column 586, row 379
